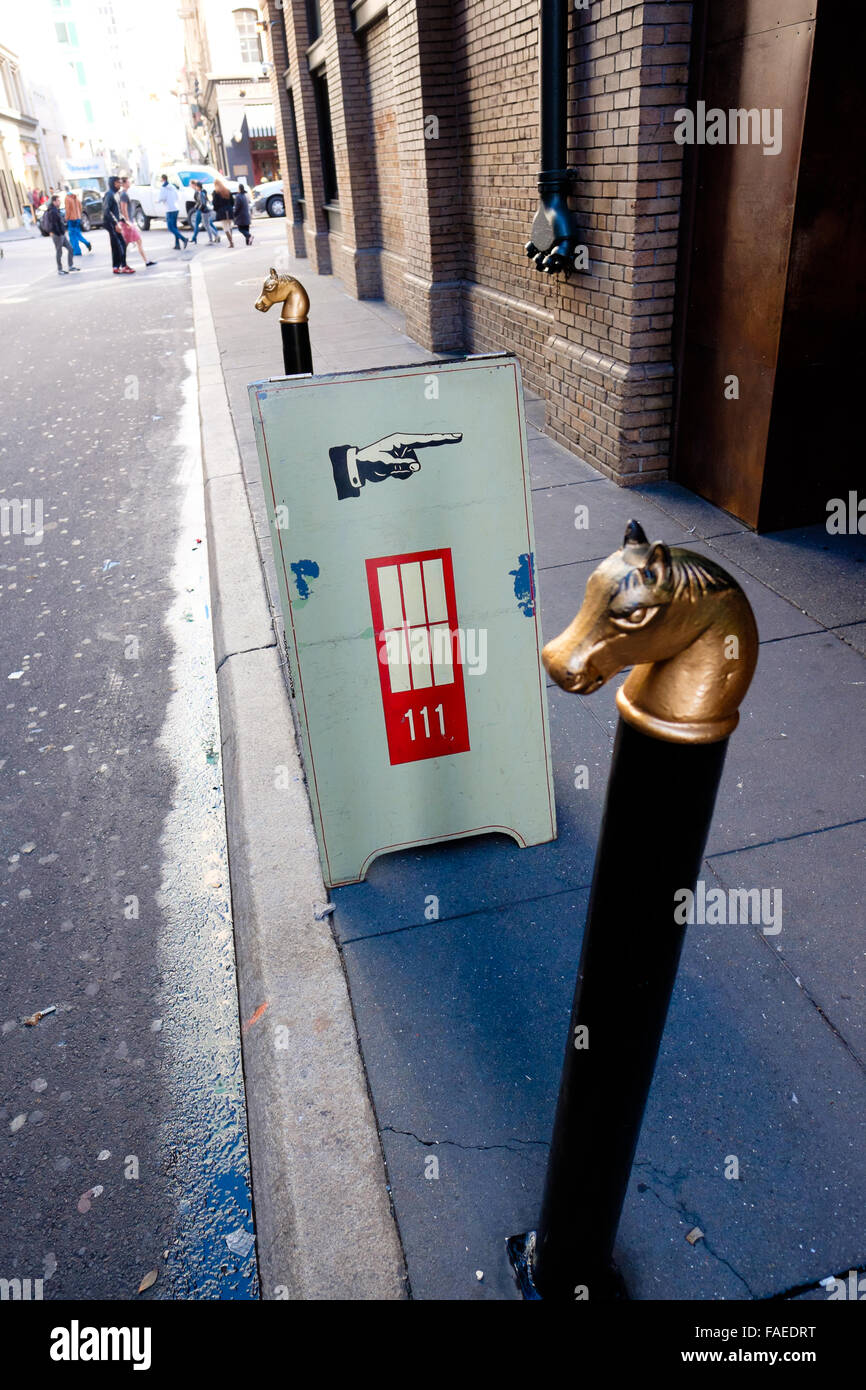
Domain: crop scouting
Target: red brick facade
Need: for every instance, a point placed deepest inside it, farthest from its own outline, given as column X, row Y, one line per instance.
column 434, row 114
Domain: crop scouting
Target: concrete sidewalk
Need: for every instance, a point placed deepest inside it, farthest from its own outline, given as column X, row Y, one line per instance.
column 462, row 1020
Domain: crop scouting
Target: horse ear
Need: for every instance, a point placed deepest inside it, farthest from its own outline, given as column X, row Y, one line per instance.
column 272, row 272
column 634, row 534
column 657, row 565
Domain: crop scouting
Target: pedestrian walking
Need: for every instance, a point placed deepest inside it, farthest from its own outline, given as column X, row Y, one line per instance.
column 195, row 222
column 223, row 208
column 128, row 230
column 72, row 212
column 167, row 195
column 243, row 215
column 204, row 214
column 55, row 224
column 111, row 221
column 124, row 200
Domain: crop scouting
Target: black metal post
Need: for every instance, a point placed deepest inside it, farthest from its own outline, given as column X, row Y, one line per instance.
column 553, row 83
column 660, row 800
column 297, row 353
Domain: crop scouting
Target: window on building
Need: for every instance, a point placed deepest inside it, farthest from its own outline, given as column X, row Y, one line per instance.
column 248, row 35
column 314, row 20
column 326, row 137
column 62, row 33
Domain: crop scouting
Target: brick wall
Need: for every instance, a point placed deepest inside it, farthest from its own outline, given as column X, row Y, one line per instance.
column 434, row 212
column 599, row 346
column 289, row 167
column 376, row 48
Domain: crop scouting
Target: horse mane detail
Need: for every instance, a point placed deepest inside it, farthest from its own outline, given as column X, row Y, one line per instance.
column 693, row 577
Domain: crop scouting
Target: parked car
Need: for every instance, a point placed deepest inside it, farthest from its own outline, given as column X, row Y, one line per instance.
column 143, row 196
column 91, row 209
column 268, row 197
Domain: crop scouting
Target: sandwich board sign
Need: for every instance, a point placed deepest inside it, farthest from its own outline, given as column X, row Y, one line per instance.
column 399, row 507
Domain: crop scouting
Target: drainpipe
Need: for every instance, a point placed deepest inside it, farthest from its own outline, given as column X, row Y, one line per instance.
column 555, row 234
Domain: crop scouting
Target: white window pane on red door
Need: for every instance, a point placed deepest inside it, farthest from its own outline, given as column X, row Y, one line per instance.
column 399, row 670
column 443, row 664
column 434, row 588
column 413, row 594
column 389, row 595
column 419, row 652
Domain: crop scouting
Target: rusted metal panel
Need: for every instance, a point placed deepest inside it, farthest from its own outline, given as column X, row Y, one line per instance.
column 734, row 19
column 744, row 213
column 815, row 448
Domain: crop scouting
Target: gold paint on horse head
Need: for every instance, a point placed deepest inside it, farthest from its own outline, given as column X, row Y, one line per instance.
column 681, row 622
column 285, row 290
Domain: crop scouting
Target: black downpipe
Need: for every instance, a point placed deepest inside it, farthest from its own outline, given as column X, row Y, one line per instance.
column 555, row 234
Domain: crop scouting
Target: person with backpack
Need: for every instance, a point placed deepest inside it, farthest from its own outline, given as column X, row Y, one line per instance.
column 55, row 225
column 203, row 213
column 223, row 208
column 243, row 215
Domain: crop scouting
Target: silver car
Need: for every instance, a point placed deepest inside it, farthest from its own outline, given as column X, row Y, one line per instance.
column 268, row 197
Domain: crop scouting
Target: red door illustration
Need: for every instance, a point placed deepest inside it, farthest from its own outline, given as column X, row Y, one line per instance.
column 420, row 656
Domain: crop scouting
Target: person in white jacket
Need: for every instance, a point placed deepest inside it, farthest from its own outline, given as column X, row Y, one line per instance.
column 168, row 195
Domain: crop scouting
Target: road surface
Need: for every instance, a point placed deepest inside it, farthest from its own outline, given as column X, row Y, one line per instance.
column 122, row 1110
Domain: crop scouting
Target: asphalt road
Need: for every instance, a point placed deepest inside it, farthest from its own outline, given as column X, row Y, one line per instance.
column 122, row 1120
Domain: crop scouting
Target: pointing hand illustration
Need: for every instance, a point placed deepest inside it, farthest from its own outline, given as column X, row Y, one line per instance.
column 394, row 456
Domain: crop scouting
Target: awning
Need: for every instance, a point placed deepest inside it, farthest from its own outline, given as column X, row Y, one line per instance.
column 260, row 121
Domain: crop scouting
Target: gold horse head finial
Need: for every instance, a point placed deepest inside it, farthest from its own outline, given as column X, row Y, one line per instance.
column 285, row 290
column 681, row 621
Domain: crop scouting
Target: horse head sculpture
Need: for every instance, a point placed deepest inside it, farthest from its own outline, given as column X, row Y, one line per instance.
column 285, row 290
column 681, row 621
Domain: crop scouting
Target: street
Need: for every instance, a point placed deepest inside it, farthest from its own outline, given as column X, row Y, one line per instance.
column 123, row 1105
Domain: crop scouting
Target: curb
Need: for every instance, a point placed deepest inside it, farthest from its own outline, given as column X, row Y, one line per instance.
column 325, row 1228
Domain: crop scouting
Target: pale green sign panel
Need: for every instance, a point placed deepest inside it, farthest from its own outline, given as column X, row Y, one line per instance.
column 401, row 519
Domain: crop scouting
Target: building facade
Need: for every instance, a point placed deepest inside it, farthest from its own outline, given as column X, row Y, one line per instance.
column 409, row 133
column 23, row 163
column 230, row 115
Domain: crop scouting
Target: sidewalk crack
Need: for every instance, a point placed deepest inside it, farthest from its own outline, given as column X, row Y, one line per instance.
column 471, row 1148
column 690, row 1217
column 266, row 647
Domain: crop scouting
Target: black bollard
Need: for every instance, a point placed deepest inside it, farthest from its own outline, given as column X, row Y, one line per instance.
column 284, row 289
column 297, row 353
column 677, row 709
